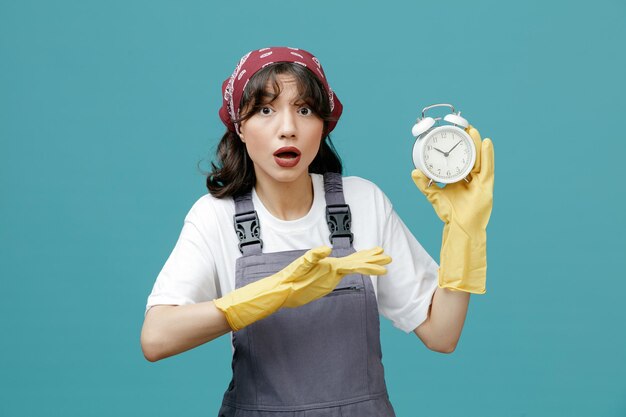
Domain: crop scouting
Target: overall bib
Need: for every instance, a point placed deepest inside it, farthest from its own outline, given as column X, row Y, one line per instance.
column 320, row 359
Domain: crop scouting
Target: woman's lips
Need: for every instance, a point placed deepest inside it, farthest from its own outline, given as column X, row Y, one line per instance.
column 287, row 162
column 287, row 157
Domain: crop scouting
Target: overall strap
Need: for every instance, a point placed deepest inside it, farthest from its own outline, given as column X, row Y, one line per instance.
column 337, row 211
column 247, row 225
column 338, row 218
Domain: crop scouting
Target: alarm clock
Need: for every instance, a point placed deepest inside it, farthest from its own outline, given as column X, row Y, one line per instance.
column 443, row 150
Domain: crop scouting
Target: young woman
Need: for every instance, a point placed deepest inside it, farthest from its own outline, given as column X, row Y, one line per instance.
column 305, row 322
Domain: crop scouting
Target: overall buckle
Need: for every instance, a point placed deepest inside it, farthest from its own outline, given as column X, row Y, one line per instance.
column 339, row 221
column 248, row 229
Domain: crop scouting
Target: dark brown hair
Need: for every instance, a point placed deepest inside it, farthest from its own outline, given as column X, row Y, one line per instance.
column 234, row 172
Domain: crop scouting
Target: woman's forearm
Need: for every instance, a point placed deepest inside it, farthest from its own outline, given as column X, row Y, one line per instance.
column 442, row 329
column 169, row 330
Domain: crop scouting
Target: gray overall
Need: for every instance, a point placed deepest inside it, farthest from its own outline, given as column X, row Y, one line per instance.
column 320, row 359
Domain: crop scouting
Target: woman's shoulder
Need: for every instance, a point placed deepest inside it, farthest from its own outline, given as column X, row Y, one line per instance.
column 208, row 208
column 352, row 185
column 360, row 183
column 361, row 190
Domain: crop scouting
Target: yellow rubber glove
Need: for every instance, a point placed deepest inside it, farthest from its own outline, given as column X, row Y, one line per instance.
column 308, row 278
column 465, row 209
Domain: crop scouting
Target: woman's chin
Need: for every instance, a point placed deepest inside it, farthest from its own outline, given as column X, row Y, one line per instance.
column 285, row 175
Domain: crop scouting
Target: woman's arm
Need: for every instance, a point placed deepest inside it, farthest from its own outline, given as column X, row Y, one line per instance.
column 465, row 208
column 169, row 330
column 442, row 329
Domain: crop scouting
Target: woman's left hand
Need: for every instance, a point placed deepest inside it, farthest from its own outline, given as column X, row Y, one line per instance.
column 465, row 208
column 466, row 203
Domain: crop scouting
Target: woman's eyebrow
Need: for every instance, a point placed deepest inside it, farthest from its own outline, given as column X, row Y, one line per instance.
column 267, row 97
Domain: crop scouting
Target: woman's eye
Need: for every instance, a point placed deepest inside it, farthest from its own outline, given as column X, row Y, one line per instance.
column 305, row 111
column 265, row 111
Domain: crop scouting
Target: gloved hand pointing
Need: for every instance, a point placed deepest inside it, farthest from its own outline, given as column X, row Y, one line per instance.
column 308, row 278
column 332, row 270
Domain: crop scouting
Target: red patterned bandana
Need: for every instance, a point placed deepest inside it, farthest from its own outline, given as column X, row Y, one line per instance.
column 233, row 87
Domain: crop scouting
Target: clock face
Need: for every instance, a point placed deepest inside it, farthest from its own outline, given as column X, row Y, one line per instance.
column 448, row 153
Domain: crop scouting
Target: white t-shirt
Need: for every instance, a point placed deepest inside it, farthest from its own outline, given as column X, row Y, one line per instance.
column 202, row 265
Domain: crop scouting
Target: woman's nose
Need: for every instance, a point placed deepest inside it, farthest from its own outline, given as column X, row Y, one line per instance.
column 288, row 126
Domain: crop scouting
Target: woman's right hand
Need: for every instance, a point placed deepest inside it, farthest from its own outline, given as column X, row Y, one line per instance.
column 327, row 272
column 307, row 278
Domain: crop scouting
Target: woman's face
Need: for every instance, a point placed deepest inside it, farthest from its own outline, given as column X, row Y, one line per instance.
column 283, row 136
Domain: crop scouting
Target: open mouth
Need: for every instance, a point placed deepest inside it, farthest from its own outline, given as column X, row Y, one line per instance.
column 287, row 153
column 287, row 157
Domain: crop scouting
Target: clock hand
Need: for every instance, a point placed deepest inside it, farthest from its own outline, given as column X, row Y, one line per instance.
column 444, row 153
column 457, row 144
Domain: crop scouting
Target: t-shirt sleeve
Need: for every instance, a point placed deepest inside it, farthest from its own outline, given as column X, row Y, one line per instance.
column 405, row 292
column 189, row 274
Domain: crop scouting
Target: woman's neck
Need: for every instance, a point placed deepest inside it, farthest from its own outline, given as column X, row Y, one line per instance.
column 286, row 201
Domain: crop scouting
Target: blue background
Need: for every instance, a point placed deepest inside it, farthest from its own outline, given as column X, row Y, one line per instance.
column 106, row 108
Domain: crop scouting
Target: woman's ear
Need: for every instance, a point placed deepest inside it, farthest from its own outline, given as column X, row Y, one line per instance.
column 239, row 133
